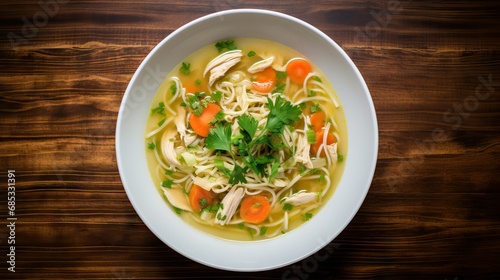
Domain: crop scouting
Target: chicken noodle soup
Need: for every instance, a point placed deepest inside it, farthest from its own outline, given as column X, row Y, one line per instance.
column 246, row 139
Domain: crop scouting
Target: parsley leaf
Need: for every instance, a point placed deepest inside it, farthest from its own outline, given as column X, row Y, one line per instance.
column 219, row 164
column 219, row 138
column 248, row 124
column 274, row 170
column 281, row 113
column 238, row 175
column 225, row 45
column 251, row 53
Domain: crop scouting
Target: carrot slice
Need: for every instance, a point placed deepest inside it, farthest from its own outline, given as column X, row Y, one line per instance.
column 255, row 209
column 298, row 69
column 193, row 86
column 330, row 139
column 317, row 120
column 199, row 198
column 265, row 81
column 201, row 124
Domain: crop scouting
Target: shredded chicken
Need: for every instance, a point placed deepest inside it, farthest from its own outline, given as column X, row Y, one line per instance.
column 302, row 197
column 261, row 65
column 180, row 123
column 303, row 147
column 219, row 65
column 230, row 204
column 168, row 149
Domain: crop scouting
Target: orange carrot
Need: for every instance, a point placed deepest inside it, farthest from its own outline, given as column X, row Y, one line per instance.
column 201, row 124
column 330, row 139
column 318, row 120
column 255, row 209
column 199, row 198
column 193, row 86
column 265, row 81
column 298, row 69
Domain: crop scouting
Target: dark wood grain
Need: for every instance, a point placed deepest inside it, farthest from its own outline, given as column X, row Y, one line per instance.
column 433, row 208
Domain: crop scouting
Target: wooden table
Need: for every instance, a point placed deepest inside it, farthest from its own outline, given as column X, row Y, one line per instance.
column 433, row 69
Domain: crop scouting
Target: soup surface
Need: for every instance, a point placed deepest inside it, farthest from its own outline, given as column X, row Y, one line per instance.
column 246, row 139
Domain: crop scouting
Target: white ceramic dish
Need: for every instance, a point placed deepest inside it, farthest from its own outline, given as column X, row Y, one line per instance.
column 360, row 162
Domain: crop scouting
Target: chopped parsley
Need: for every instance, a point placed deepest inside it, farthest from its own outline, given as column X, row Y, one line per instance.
column 307, row 216
column 197, row 82
column 263, row 230
column 216, row 95
column 225, row 45
column 220, row 217
column 280, row 75
column 173, row 88
column 185, row 68
column 160, row 110
column 160, row 123
column 251, row 53
column 280, row 88
column 197, row 102
column 315, row 108
column 340, row 158
column 321, row 177
column 203, row 202
column 302, row 169
column 151, row 146
column 316, row 78
column 218, row 118
column 167, row 184
column 287, row 207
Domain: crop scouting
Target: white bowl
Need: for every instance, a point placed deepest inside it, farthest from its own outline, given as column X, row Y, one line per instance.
column 360, row 161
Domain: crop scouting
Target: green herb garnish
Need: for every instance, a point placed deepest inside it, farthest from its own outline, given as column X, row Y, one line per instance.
column 185, row 68
column 225, row 45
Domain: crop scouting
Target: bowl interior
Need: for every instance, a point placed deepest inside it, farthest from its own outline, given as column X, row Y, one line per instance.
column 360, row 161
